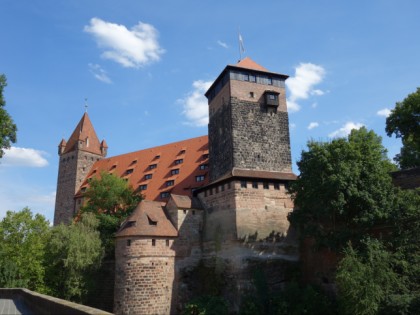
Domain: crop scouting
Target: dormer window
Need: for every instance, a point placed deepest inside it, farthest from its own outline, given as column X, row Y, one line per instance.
column 181, row 152
column 203, row 166
column 175, row 171
column 164, row 194
column 205, row 156
column 152, row 166
column 179, row 161
column 129, row 171
column 148, row 176
column 169, row 183
column 199, row 178
column 143, row 187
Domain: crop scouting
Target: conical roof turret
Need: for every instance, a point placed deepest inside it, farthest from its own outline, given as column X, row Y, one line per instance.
column 84, row 137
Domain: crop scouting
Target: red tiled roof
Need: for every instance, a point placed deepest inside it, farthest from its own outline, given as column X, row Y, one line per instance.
column 136, row 165
column 186, row 202
column 83, row 131
column 248, row 63
column 148, row 219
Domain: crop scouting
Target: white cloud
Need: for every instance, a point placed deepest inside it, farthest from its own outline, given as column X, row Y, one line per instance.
column 345, row 130
column 23, row 157
column 313, row 125
column 132, row 48
column 292, row 126
column 383, row 112
column 195, row 104
column 307, row 75
column 317, row 92
column 99, row 73
column 223, row 44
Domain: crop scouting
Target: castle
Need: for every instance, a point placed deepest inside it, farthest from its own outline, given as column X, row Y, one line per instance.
column 223, row 195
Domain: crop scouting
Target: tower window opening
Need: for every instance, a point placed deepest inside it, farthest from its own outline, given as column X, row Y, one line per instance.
column 251, row 94
column 243, row 183
column 265, row 185
column 128, row 242
column 255, row 185
column 153, row 242
column 167, row 242
column 276, row 186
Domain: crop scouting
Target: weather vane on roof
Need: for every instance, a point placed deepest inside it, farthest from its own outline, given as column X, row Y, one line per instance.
column 86, row 105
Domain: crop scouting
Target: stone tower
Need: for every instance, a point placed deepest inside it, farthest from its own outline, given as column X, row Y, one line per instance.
column 77, row 156
column 249, row 125
column 249, row 155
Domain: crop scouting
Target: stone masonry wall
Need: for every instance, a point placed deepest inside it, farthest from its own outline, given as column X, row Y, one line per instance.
column 220, row 142
column 260, row 139
column 72, row 170
column 144, row 276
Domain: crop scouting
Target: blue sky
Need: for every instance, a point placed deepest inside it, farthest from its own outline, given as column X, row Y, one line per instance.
column 144, row 66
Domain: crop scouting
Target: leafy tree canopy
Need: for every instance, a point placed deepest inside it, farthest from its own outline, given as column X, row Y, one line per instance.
column 112, row 200
column 73, row 252
column 344, row 188
column 111, row 195
column 404, row 122
column 22, row 246
column 7, row 127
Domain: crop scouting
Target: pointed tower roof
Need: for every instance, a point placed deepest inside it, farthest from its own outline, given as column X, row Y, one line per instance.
column 248, row 63
column 86, row 133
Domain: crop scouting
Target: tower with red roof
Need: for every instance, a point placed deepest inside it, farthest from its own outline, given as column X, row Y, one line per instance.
column 77, row 156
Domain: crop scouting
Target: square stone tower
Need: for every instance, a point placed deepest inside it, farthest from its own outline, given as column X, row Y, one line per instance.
column 249, row 125
column 249, row 155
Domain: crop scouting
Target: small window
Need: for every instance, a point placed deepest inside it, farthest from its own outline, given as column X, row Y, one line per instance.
column 228, row 185
column 205, row 156
column 272, row 96
column 199, row 178
column 128, row 242
column 153, row 242
column 148, row 176
column 211, row 191
column 181, row 152
column 179, row 161
column 252, row 78
column 243, row 183
column 246, row 77
column 143, row 187
column 269, row 81
column 265, row 185
column 222, row 187
column 83, row 189
column 251, row 94
column 193, row 212
column 164, row 194
column 113, row 167
column 255, row 185
column 276, row 186
column 157, row 157
column 203, row 166
column 169, row 183
column 152, row 166
column 167, row 242
column 133, row 162
column 217, row 189
column 175, row 171
column 129, row 171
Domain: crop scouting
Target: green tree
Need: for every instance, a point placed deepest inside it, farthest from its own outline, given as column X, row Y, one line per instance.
column 112, row 200
column 404, row 122
column 7, row 127
column 344, row 188
column 22, row 248
column 365, row 279
column 73, row 253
